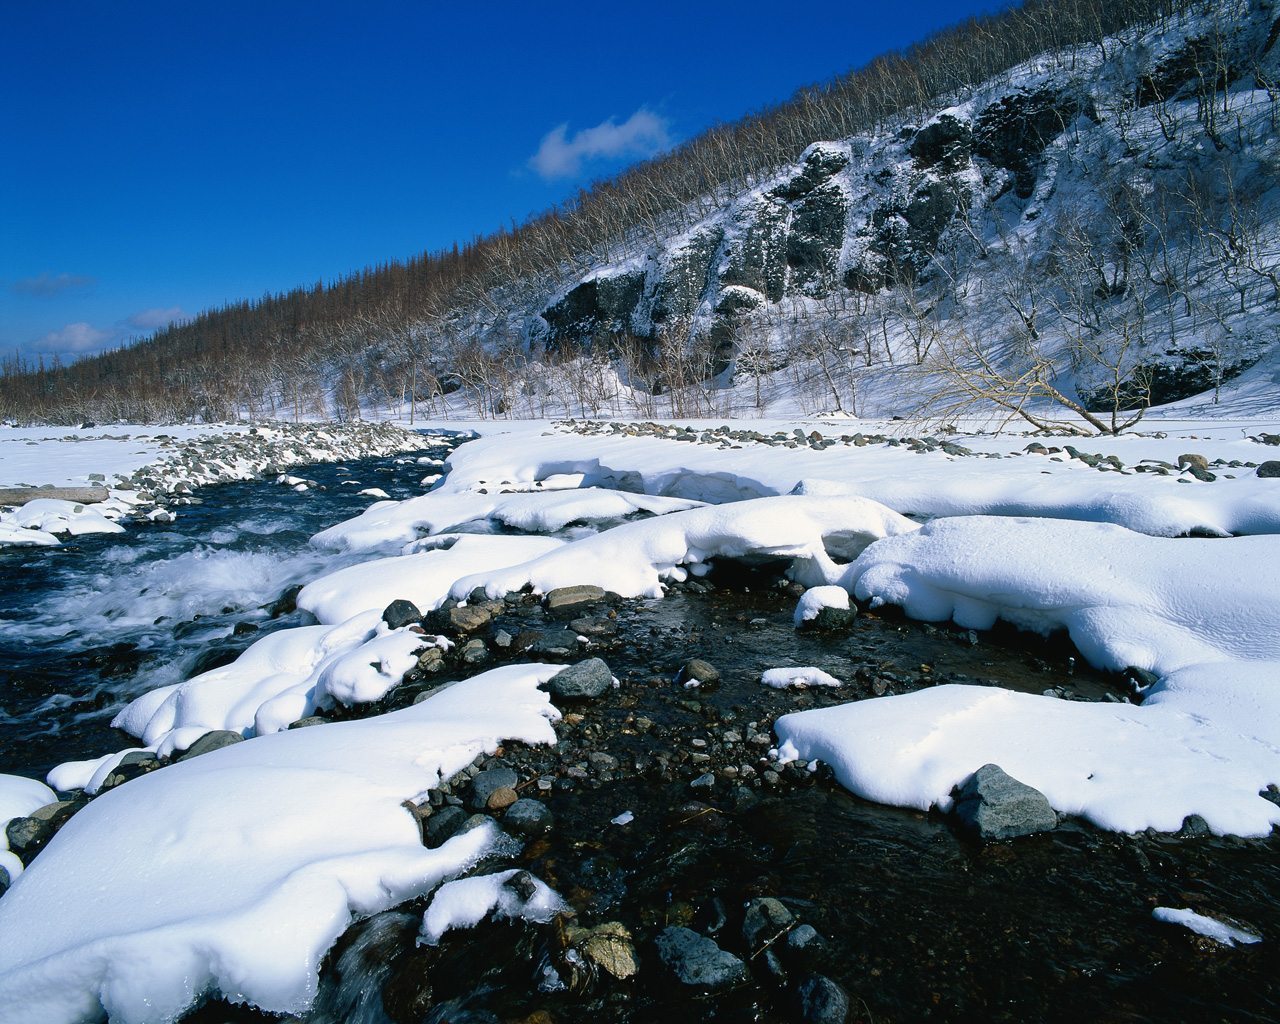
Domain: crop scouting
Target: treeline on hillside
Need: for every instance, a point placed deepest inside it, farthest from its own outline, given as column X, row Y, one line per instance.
column 294, row 352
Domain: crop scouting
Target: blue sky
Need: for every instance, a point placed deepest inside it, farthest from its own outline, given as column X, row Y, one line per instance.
column 163, row 158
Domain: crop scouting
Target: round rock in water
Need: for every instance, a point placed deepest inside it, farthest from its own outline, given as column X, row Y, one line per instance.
column 822, row 1001
column 584, row 681
column 528, row 817
column 993, row 805
column 696, row 960
column 700, row 673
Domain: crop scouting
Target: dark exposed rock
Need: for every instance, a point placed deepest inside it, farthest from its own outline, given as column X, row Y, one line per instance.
column 488, row 782
column 757, row 259
column 686, row 273
column 1269, row 469
column 765, row 922
column 471, row 617
column 814, row 241
column 598, row 306
column 583, row 681
column 697, row 961
column 944, row 142
column 697, row 672
column 528, row 817
column 444, row 824
column 401, row 613
column 1013, row 132
column 821, row 1001
column 210, row 741
column 993, row 805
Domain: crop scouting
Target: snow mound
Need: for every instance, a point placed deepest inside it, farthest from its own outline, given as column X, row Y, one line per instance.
column 53, row 515
column 541, row 511
column 1196, row 612
column 281, row 678
column 634, row 559
column 19, row 796
column 465, row 902
column 424, row 577
column 784, row 678
column 1125, row 598
column 235, row 871
column 813, row 600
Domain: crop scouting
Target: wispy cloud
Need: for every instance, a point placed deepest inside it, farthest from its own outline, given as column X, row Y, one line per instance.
column 561, row 155
column 152, row 319
column 74, row 339
column 45, row 285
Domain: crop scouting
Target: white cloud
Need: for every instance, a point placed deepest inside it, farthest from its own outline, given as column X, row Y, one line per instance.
column 151, row 319
column 560, row 155
column 74, row 339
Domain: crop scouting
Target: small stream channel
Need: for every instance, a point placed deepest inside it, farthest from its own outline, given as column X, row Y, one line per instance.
column 914, row 921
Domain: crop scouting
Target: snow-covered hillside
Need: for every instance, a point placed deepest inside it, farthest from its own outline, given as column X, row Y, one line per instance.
column 1097, row 225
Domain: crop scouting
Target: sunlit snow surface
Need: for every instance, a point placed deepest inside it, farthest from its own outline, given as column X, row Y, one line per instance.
column 235, row 871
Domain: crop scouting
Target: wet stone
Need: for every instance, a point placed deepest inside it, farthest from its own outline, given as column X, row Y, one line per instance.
column 584, row 681
column 697, row 672
column 569, row 597
column 209, row 742
column 993, row 805
column 488, row 782
column 471, row 617
column 444, row 824
column 558, row 642
column 500, row 799
column 765, row 922
column 528, row 817
column 821, row 1001
column 697, row 961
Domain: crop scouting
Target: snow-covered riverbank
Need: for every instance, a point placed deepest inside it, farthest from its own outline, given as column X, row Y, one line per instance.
column 149, row 470
column 1151, row 552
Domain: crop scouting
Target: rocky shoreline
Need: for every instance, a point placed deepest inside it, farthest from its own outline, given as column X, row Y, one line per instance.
column 663, row 803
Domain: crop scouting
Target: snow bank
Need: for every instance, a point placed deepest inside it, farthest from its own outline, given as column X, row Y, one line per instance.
column 1206, row 926
column 52, row 515
column 633, row 559
column 235, row 871
column 424, row 577
column 19, row 796
column 1126, row 599
column 542, row 511
column 783, row 678
column 1199, row 613
column 465, row 902
column 997, row 479
column 281, row 678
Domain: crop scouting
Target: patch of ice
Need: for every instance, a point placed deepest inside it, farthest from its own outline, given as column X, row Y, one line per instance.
column 1206, row 926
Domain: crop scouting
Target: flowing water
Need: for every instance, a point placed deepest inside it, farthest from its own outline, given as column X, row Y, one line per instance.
column 917, row 921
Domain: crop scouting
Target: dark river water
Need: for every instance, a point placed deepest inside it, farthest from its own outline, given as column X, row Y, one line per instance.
column 917, row 921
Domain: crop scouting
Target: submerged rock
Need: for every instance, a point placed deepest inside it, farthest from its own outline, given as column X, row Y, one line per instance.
column 528, row 817
column 821, row 1001
column 765, row 921
column 993, row 805
column 696, row 960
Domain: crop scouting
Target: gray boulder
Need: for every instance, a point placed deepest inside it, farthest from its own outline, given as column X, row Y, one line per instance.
column 488, row 782
column 992, row 805
column 569, row 597
column 697, row 961
column 1270, row 468
column 529, row 818
column 583, row 681
column 210, row 741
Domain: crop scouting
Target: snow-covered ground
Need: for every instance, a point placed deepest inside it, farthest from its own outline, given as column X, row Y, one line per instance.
column 1163, row 571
